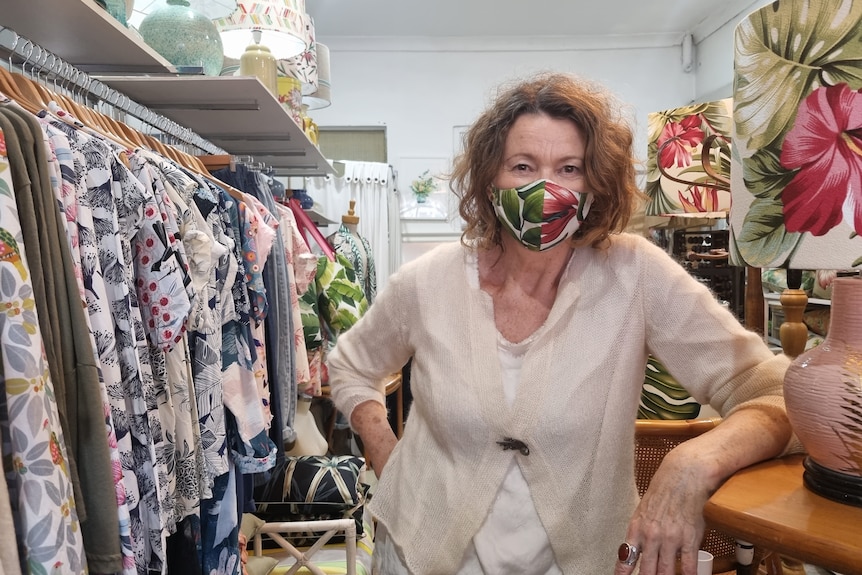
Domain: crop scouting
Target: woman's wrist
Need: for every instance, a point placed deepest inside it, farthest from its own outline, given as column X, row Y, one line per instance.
column 369, row 420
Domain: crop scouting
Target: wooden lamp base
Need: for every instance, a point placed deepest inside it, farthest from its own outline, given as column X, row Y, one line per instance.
column 793, row 331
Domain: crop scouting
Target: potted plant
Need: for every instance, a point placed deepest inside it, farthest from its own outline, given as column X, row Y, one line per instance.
column 422, row 187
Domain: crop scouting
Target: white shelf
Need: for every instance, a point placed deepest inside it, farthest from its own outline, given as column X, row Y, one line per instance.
column 235, row 113
column 83, row 34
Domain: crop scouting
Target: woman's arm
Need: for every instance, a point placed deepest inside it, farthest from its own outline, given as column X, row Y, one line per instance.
column 370, row 422
column 668, row 522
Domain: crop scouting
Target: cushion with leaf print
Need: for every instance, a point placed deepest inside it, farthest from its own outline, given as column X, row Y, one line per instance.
column 311, row 487
column 311, row 479
column 817, row 320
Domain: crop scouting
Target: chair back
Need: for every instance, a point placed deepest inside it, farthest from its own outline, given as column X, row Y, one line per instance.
column 653, row 440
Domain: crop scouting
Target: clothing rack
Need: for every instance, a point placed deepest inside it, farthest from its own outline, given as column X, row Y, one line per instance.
column 44, row 66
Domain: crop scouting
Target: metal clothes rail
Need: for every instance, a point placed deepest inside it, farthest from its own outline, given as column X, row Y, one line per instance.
column 52, row 71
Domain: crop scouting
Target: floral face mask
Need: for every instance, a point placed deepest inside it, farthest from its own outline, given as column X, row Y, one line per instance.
column 541, row 214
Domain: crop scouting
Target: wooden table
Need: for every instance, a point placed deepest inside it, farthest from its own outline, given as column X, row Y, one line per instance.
column 768, row 505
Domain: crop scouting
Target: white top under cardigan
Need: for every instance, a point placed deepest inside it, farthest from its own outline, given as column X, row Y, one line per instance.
column 575, row 407
column 512, row 540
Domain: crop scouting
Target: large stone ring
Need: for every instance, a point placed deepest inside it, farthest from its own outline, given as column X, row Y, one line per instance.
column 628, row 554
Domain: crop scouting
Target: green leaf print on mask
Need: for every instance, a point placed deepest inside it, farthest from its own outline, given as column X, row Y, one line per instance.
column 512, row 207
column 533, row 237
column 534, row 205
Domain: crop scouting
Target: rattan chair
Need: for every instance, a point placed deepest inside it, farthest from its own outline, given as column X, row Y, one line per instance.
column 653, row 439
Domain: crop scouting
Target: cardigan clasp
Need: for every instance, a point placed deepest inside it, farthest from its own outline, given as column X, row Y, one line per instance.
column 515, row 445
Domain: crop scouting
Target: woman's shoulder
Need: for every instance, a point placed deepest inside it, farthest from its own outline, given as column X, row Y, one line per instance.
column 436, row 260
column 629, row 241
column 627, row 254
column 630, row 246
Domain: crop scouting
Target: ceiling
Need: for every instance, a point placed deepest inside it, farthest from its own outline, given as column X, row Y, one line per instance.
column 530, row 18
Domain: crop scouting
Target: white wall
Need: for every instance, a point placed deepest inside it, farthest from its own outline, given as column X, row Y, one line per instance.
column 714, row 57
column 421, row 89
column 421, row 95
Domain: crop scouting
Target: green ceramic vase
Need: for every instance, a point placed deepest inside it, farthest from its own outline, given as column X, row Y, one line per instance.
column 184, row 37
column 116, row 8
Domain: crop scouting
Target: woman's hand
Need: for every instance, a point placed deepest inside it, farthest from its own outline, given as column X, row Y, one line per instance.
column 370, row 421
column 668, row 523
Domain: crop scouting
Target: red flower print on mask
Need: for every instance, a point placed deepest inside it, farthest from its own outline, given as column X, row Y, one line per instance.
column 563, row 205
column 680, row 138
column 825, row 145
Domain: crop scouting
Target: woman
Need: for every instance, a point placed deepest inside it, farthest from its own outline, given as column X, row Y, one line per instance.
column 529, row 341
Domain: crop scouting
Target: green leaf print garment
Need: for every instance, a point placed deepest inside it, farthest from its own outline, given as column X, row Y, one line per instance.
column 333, row 303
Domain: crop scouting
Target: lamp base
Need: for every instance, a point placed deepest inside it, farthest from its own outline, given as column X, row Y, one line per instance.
column 833, row 485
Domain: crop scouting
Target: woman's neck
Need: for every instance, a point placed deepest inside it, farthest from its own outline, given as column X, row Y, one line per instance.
column 532, row 271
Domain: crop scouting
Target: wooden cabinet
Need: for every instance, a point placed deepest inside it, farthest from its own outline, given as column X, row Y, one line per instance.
column 704, row 253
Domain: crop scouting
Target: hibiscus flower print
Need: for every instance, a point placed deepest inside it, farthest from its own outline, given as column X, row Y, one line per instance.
column 677, row 141
column 825, row 146
column 2, row 145
column 702, row 200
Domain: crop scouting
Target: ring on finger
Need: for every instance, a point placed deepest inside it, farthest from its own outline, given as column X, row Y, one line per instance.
column 628, row 554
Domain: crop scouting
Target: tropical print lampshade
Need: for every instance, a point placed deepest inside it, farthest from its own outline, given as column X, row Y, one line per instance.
column 796, row 179
column 303, row 67
column 797, row 157
column 322, row 97
column 688, row 160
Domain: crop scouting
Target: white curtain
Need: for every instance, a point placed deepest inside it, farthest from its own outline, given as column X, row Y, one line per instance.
column 372, row 185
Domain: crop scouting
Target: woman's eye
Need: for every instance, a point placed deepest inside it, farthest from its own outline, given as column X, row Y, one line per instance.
column 521, row 167
column 571, row 170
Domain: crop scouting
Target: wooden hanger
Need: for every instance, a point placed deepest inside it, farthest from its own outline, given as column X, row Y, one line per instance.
column 117, row 130
column 7, row 85
column 69, row 104
column 10, row 87
column 26, row 98
column 26, row 87
column 35, row 97
column 200, row 167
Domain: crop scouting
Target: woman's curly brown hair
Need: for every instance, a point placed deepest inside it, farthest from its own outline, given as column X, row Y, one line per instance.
column 609, row 165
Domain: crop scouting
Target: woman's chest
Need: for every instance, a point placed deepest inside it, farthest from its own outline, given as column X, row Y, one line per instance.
column 518, row 315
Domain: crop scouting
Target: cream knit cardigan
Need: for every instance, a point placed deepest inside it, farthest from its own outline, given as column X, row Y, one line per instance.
column 575, row 407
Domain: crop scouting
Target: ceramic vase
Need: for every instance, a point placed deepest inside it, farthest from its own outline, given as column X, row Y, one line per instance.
column 290, row 98
column 823, row 393
column 257, row 60
column 184, row 37
column 309, row 126
column 305, row 201
column 117, row 9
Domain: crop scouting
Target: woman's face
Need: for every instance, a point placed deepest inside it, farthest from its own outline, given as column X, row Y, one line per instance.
column 541, row 147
